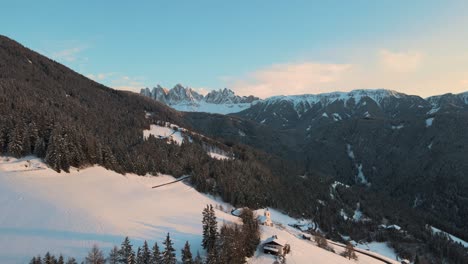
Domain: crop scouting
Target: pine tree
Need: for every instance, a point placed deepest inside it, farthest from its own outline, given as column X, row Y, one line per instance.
column 156, row 255
column 187, row 254
column 125, row 251
column 210, row 228
column 212, row 257
column 113, row 256
column 15, row 144
column 138, row 256
column 206, row 227
column 213, row 228
column 131, row 258
column 39, row 260
column 40, row 148
column 49, row 259
column 33, row 133
column 54, row 153
column 251, row 232
column 60, row 260
column 36, row 260
column 145, row 254
column 168, row 256
column 95, row 256
column 198, row 259
column 71, row 261
column 65, row 161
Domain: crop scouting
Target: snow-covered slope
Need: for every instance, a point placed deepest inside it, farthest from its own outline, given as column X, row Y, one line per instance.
column 177, row 135
column 42, row 210
column 305, row 251
column 186, row 99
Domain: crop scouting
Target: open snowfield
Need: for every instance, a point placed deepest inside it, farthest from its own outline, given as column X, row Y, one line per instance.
column 42, row 210
column 211, row 108
column 304, row 251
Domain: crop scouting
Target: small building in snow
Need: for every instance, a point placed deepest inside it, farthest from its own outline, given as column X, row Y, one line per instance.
column 265, row 219
column 275, row 246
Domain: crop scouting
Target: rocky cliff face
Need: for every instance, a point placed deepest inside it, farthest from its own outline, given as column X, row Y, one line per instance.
column 186, row 99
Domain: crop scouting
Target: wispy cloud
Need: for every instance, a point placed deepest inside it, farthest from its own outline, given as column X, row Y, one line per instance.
column 289, row 78
column 101, row 76
column 401, row 61
column 124, row 82
column 67, row 55
column 412, row 72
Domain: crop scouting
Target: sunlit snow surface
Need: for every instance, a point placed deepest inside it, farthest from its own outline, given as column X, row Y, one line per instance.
column 210, row 108
column 170, row 133
column 42, row 210
column 454, row 238
column 305, row 251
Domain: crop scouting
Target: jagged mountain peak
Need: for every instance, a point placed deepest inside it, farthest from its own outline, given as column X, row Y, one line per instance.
column 187, row 99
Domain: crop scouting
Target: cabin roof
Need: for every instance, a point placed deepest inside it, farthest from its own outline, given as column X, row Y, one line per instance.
column 275, row 240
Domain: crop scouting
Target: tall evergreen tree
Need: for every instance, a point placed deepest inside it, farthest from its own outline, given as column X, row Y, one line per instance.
column 187, row 254
column 33, row 134
column 95, row 256
column 126, row 251
column 54, row 153
column 138, row 256
column 198, row 259
column 131, row 258
column 145, row 254
column 213, row 233
column 156, row 257
column 15, row 144
column 71, row 261
column 168, row 255
column 40, row 148
column 113, row 256
column 212, row 257
column 210, row 228
column 206, row 227
column 251, row 232
column 36, row 260
column 60, row 260
column 49, row 258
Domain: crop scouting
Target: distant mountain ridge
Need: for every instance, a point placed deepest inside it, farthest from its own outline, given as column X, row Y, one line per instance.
column 286, row 111
column 181, row 98
column 225, row 101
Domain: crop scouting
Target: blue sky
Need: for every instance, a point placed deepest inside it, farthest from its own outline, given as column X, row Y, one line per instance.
column 253, row 47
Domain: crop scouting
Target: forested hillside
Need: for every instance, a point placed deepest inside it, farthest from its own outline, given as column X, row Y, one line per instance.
column 68, row 120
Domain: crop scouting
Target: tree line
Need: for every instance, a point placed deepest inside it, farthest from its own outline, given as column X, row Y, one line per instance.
column 231, row 244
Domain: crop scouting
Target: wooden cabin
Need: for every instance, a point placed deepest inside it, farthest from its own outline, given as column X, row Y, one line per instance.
column 274, row 246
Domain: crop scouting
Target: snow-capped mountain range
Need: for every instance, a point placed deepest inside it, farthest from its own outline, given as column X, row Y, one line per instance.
column 223, row 101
